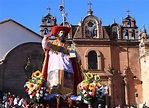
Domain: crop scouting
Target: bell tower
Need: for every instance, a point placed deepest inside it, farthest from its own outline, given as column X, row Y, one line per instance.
column 130, row 30
column 48, row 22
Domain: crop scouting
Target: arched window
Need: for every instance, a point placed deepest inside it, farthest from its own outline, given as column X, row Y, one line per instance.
column 45, row 31
column 129, row 23
column 133, row 34
column 92, row 60
column 126, row 34
column 115, row 32
column 48, row 21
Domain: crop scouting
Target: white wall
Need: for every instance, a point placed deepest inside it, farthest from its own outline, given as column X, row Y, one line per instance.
column 12, row 35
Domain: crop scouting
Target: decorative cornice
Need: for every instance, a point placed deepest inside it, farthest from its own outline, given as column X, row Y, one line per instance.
column 105, row 42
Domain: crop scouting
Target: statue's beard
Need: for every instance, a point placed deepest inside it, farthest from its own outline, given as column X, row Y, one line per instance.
column 62, row 39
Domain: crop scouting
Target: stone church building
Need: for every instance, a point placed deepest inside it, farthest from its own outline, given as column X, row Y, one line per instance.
column 118, row 53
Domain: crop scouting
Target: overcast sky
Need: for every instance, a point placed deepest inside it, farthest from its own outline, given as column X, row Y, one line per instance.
column 30, row 12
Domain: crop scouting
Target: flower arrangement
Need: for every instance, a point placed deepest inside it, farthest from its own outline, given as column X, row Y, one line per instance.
column 35, row 87
column 91, row 88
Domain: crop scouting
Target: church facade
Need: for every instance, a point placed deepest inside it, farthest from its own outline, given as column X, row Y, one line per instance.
column 115, row 52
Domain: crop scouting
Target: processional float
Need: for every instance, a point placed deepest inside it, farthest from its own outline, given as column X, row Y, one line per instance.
column 82, row 86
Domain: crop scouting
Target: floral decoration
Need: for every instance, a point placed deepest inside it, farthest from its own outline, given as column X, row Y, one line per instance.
column 91, row 88
column 36, row 87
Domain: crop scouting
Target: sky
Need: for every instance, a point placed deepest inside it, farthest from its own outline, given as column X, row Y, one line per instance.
column 30, row 12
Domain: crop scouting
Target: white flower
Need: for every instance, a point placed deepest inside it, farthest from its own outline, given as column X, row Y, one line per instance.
column 82, row 84
column 29, row 91
column 83, row 91
column 41, row 91
column 37, row 94
column 25, row 85
column 85, row 95
column 38, row 98
column 36, row 85
column 90, row 93
column 34, row 80
column 30, row 96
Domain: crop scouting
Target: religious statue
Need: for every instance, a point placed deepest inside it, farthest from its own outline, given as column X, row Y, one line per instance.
column 60, row 62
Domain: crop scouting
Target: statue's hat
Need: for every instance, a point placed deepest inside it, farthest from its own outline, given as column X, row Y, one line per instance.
column 56, row 29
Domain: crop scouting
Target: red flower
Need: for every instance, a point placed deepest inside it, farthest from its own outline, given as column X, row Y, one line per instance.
column 39, row 88
column 86, row 87
column 94, row 91
column 27, row 90
column 34, row 93
column 88, row 94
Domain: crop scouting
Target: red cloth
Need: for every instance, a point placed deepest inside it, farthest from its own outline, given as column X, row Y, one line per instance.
column 77, row 73
column 45, row 65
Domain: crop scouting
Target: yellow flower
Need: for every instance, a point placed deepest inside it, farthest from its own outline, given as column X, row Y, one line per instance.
column 89, row 75
column 91, row 86
column 39, row 82
column 98, row 77
column 31, row 86
column 33, row 75
column 98, row 84
column 85, row 83
column 37, row 74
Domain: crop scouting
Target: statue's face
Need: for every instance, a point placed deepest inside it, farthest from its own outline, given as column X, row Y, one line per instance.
column 62, row 36
column 61, row 33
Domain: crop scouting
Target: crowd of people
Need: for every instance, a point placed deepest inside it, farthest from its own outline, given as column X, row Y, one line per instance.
column 9, row 100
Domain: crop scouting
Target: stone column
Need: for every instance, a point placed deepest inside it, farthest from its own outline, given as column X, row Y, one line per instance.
column 108, row 97
column 126, row 91
column 125, row 85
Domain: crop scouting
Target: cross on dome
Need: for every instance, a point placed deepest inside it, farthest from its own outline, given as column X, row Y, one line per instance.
column 89, row 4
column 128, row 11
column 48, row 10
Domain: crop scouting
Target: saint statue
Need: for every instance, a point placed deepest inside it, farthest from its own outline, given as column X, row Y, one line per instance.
column 61, row 65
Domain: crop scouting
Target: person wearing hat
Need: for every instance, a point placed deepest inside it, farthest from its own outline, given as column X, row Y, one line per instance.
column 58, row 69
